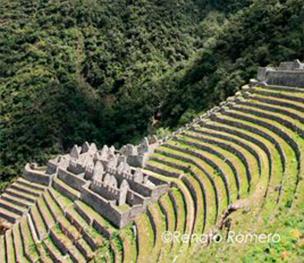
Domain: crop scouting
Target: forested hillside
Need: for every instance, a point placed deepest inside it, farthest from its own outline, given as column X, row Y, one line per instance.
column 113, row 71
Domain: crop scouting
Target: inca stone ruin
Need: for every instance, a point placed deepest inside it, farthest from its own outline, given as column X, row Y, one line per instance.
column 109, row 180
column 287, row 74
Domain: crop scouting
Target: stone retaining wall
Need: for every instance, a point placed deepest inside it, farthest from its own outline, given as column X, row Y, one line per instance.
column 197, row 177
column 254, row 131
column 222, row 157
column 285, row 78
column 233, row 141
column 36, row 176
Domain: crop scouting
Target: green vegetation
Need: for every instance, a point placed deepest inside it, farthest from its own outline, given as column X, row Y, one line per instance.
column 114, row 71
column 288, row 226
column 81, row 70
column 72, row 71
column 110, row 72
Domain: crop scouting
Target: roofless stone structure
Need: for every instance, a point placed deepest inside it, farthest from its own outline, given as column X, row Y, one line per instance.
column 287, row 74
column 109, row 180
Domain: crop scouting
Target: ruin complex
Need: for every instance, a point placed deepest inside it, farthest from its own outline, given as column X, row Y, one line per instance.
column 109, row 180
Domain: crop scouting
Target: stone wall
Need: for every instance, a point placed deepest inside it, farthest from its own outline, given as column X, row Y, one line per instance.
column 139, row 154
column 136, row 160
column 71, row 179
column 101, row 205
column 285, row 78
column 110, row 194
column 158, row 191
column 287, row 74
column 135, row 211
column 140, row 188
column 104, row 207
column 36, row 176
column 135, row 199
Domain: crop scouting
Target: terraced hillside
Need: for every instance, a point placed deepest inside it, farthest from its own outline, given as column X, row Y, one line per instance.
column 240, row 166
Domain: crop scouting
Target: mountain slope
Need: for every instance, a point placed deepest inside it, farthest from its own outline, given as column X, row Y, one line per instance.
column 72, row 71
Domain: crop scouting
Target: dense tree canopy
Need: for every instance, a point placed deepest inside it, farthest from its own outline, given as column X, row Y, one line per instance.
column 93, row 70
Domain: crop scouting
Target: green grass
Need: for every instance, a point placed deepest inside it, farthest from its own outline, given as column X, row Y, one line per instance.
column 194, row 169
column 271, row 134
column 182, row 150
column 145, row 236
column 10, row 251
column 234, row 159
column 128, row 242
column 221, row 167
column 291, row 168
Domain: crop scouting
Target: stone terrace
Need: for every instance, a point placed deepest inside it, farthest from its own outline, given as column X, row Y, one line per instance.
column 113, row 205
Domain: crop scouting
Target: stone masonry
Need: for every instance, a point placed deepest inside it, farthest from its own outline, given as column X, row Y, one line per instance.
column 109, row 180
column 287, row 74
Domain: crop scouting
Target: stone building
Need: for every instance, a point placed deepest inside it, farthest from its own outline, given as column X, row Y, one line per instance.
column 287, row 74
column 106, row 179
column 138, row 155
